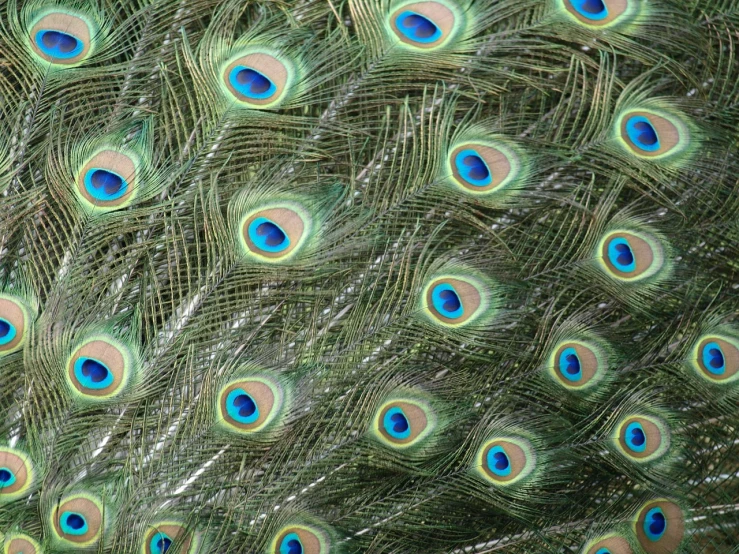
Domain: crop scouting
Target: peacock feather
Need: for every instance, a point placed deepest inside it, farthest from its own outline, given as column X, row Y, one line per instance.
column 369, row 276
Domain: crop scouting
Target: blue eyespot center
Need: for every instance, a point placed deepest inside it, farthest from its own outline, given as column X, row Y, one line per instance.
column 396, row 424
column 573, row 364
column 621, row 255
column 160, row 543
column 251, row 83
column 501, row 461
column 7, row 477
column 245, row 404
column 417, row 27
column 268, row 236
column 642, row 133
column 655, row 524
column 76, row 521
column 472, row 167
column 273, row 235
column 446, row 301
column 713, row 358
column 291, row 544
column 94, row 370
column 241, row 406
column 92, row 373
column 400, row 423
column 636, row 439
column 257, row 82
column 57, row 44
column 73, row 523
column 603, row 551
column 569, row 364
column 105, row 185
column 498, row 461
column 595, row 10
column 7, row 331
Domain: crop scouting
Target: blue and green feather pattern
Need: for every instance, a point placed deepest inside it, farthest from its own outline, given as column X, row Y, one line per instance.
column 369, row 276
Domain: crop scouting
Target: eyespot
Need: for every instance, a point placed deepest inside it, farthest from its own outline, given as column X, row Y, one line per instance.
column 504, row 461
column 161, row 536
column 651, row 135
column 16, row 474
column 599, row 13
column 424, row 25
column 78, row 519
column 276, row 233
column 642, row 438
column 268, row 236
column 300, row 539
column 105, row 185
column 480, row 168
column 18, row 543
column 655, row 524
column 108, row 180
column 249, row 405
column 716, row 358
column 453, row 300
column 61, row 38
column 576, row 364
column 99, row 368
column 660, row 527
column 15, row 318
column 630, row 255
column 611, row 544
column 259, row 79
column 403, row 423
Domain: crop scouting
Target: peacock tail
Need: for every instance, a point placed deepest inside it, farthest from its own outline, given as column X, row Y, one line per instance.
column 377, row 276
